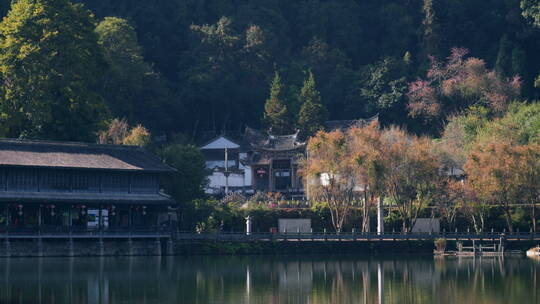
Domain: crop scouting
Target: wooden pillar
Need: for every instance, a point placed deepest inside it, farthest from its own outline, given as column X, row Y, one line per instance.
column 243, row 178
column 158, row 247
column 7, row 217
column 253, row 178
column 70, row 221
column 169, row 214
column 157, row 218
column 271, row 175
column 100, row 219
column 170, row 247
column 130, row 221
column 293, row 176
column 39, row 218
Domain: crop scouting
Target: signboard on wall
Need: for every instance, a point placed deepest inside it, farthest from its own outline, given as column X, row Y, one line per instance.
column 261, row 172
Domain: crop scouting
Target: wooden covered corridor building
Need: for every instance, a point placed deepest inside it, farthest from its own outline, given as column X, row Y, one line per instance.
column 63, row 186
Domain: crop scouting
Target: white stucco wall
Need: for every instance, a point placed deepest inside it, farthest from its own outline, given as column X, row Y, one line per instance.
column 217, row 181
column 211, row 164
column 294, row 225
column 427, row 225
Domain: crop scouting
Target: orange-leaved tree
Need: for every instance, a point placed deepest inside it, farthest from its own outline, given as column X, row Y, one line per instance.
column 330, row 175
column 412, row 176
column 503, row 173
column 368, row 165
column 363, row 164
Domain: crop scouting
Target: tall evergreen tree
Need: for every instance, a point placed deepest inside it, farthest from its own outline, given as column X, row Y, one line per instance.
column 276, row 114
column 130, row 85
column 431, row 36
column 312, row 113
column 503, row 65
column 519, row 61
column 531, row 11
column 49, row 62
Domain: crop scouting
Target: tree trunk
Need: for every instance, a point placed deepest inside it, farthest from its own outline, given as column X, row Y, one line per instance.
column 482, row 222
column 405, row 226
column 365, row 213
column 475, row 225
column 534, row 217
column 508, row 220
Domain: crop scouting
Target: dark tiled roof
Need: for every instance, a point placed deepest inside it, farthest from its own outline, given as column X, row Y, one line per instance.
column 333, row 125
column 78, row 155
column 121, row 198
column 259, row 140
column 255, row 138
column 206, row 137
column 259, row 159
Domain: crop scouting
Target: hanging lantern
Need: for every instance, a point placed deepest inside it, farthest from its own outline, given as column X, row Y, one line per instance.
column 20, row 208
column 143, row 210
column 52, row 210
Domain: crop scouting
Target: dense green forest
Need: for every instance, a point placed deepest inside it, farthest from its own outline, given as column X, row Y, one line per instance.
column 191, row 66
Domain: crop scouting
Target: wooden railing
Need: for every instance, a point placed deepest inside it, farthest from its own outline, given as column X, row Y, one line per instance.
column 86, row 234
column 243, row 237
column 321, row 236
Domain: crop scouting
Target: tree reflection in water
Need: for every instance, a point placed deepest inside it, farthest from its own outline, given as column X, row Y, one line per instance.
column 269, row 279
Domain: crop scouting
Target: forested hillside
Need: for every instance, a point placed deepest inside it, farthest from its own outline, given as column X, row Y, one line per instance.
column 190, row 66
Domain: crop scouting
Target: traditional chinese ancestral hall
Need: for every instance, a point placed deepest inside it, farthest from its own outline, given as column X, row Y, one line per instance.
column 274, row 161
column 63, row 186
column 255, row 160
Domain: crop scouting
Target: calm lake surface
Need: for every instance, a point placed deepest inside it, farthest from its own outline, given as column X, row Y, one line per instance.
column 270, row 279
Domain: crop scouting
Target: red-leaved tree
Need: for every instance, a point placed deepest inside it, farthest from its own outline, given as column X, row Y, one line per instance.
column 458, row 83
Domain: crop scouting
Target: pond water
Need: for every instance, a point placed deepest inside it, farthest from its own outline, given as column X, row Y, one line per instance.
column 270, row 279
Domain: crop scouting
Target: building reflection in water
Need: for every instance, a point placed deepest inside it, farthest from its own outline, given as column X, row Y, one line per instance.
column 269, row 279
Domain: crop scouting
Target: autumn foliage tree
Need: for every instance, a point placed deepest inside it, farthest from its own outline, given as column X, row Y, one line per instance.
column 330, row 174
column 363, row 164
column 120, row 133
column 412, row 175
column 457, row 84
column 505, row 174
column 369, row 167
column 462, row 198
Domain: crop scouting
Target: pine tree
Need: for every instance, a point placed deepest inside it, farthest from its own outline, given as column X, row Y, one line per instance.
column 519, row 61
column 312, row 113
column 276, row 115
column 503, row 65
column 431, row 37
